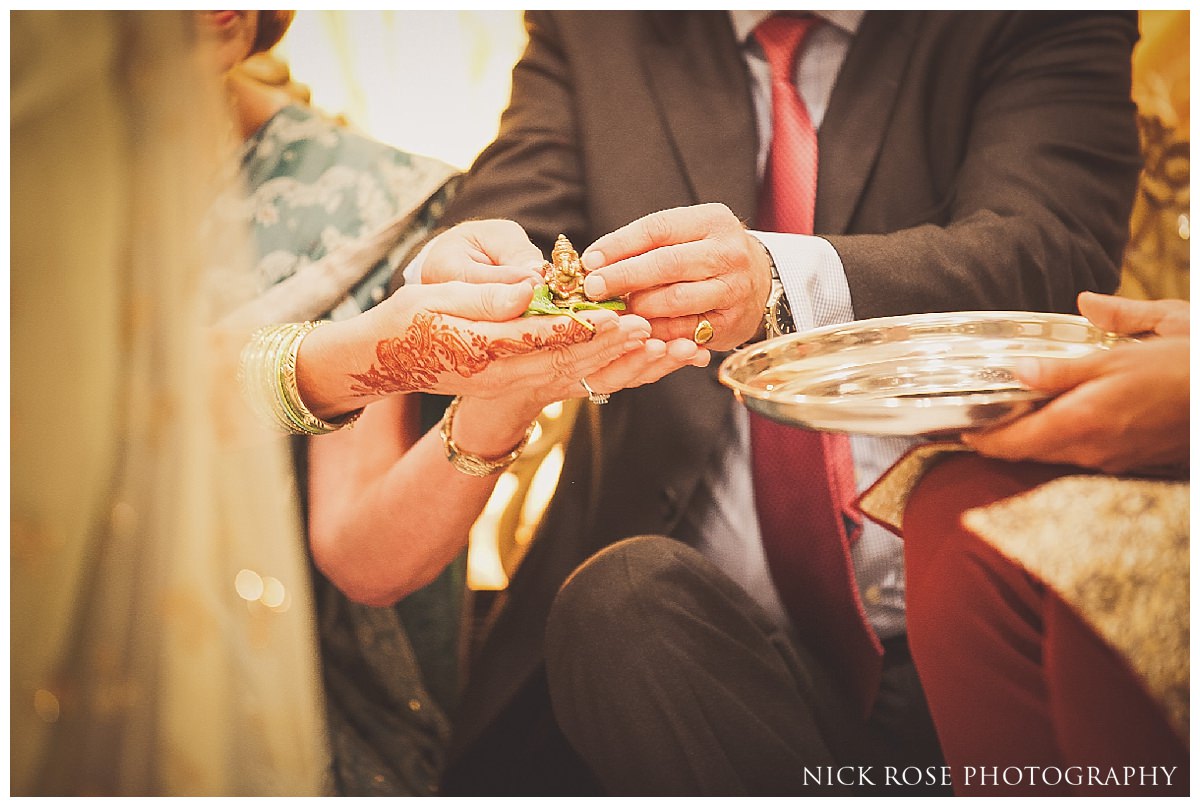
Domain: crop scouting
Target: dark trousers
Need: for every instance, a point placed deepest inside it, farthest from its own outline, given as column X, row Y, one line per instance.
column 669, row 680
column 1017, row 682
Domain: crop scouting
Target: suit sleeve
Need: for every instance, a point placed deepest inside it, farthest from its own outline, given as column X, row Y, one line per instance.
column 1040, row 203
column 531, row 172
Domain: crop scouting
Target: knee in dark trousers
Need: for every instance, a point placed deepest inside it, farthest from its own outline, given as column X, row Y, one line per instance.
column 670, row 680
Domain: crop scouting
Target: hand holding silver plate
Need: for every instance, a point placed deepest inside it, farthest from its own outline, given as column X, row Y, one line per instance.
column 916, row 375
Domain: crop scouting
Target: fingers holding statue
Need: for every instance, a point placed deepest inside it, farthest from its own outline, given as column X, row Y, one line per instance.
column 482, row 251
column 682, row 268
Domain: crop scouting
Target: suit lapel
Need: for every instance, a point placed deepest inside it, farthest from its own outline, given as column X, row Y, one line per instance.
column 698, row 79
column 858, row 114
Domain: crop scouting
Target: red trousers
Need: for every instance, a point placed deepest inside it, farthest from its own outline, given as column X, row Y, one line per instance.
column 1025, row 697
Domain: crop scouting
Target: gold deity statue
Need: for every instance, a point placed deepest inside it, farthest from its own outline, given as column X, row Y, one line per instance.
column 562, row 293
column 564, row 273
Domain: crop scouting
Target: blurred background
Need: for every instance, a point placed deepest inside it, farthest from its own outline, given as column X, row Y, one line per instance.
column 433, row 82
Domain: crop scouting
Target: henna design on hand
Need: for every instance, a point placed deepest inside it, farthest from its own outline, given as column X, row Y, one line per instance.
column 430, row 347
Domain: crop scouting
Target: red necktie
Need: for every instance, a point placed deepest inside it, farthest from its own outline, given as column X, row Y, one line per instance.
column 804, row 480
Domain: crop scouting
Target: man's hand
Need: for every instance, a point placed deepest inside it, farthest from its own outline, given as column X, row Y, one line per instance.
column 1126, row 409
column 1121, row 315
column 487, row 251
column 681, row 265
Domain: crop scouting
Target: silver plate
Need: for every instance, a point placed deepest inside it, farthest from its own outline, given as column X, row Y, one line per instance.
column 922, row 374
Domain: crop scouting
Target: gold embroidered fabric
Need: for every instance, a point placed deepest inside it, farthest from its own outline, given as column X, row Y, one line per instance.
column 886, row 499
column 1157, row 259
column 1117, row 551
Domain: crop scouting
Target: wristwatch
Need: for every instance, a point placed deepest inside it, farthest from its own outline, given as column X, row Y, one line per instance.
column 777, row 315
column 777, row 318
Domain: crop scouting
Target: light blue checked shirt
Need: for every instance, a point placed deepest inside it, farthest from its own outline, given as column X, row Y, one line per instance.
column 722, row 518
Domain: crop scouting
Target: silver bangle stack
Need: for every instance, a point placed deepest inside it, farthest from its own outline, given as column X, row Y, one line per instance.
column 473, row 464
column 267, row 376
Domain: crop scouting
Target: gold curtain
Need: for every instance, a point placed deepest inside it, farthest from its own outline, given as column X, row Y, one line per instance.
column 1157, row 260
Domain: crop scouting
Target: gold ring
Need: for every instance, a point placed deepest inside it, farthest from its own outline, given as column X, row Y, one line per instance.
column 593, row 396
column 703, row 333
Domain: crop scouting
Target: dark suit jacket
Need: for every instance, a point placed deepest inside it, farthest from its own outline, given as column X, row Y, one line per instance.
column 967, row 161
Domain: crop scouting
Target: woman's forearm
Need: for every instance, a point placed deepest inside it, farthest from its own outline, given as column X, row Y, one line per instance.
column 388, row 515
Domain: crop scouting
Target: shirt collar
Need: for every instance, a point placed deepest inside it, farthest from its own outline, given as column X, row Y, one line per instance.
column 744, row 22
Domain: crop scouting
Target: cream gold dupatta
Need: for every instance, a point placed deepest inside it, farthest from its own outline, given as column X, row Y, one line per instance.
column 161, row 622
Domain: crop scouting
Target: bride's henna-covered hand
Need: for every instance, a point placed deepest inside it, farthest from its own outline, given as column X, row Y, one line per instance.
column 455, row 339
column 435, row 345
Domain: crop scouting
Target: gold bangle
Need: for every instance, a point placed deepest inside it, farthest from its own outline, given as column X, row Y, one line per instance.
column 472, row 464
column 267, row 375
column 293, row 404
column 255, row 375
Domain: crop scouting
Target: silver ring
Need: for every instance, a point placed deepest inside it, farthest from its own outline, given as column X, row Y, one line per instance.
column 593, row 396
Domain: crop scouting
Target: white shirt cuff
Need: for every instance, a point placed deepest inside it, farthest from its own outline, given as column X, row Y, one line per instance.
column 412, row 272
column 813, row 277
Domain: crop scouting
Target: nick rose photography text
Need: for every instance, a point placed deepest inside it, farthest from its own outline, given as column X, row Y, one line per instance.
column 990, row 775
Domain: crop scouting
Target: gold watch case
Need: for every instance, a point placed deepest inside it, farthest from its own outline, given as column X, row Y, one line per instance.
column 777, row 317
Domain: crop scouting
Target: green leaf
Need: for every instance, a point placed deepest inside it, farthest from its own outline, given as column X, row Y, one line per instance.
column 543, row 305
column 609, row 305
column 541, row 302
